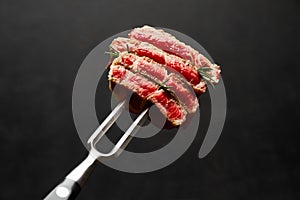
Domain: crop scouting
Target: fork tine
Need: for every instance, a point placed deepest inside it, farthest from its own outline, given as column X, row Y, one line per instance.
column 129, row 134
column 123, row 141
column 106, row 124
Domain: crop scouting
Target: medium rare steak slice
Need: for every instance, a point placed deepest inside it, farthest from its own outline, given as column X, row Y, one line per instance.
column 158, row 74
column 170, row 44
column 184, row 95
column 143, row 65
column 134, row 82
column 188, row 71
column 148, row 90
column 169, row 107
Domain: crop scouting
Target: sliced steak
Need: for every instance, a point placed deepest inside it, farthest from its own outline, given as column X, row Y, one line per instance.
column 148, row 90
column 158, row 74
column 168, row 107
column 170, row 44
column 143, row 65
column 182, row 93
column 134, row 82
column 185, row 68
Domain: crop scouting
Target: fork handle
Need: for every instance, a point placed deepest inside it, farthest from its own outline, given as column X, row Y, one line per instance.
column 70, row 187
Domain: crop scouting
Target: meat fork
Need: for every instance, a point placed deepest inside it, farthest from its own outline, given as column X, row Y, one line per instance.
column 70, row 187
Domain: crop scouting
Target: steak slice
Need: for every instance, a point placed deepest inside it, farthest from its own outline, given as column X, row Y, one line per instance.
column 170, row 44
column 185, row 68
column 181, row 91
column 158, row 74
column 134, row 82
column 168, row 107
column 143, row 65
column 148, row 90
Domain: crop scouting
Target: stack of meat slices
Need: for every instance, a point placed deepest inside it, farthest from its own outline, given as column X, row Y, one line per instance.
column 158, row 68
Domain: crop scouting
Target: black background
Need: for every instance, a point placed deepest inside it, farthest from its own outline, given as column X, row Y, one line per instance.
column 256, row 42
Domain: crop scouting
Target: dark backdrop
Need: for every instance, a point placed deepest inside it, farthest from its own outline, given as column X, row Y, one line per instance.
column 256, row 42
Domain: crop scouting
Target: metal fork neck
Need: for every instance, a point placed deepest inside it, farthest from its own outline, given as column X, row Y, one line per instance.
column 81, row 173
